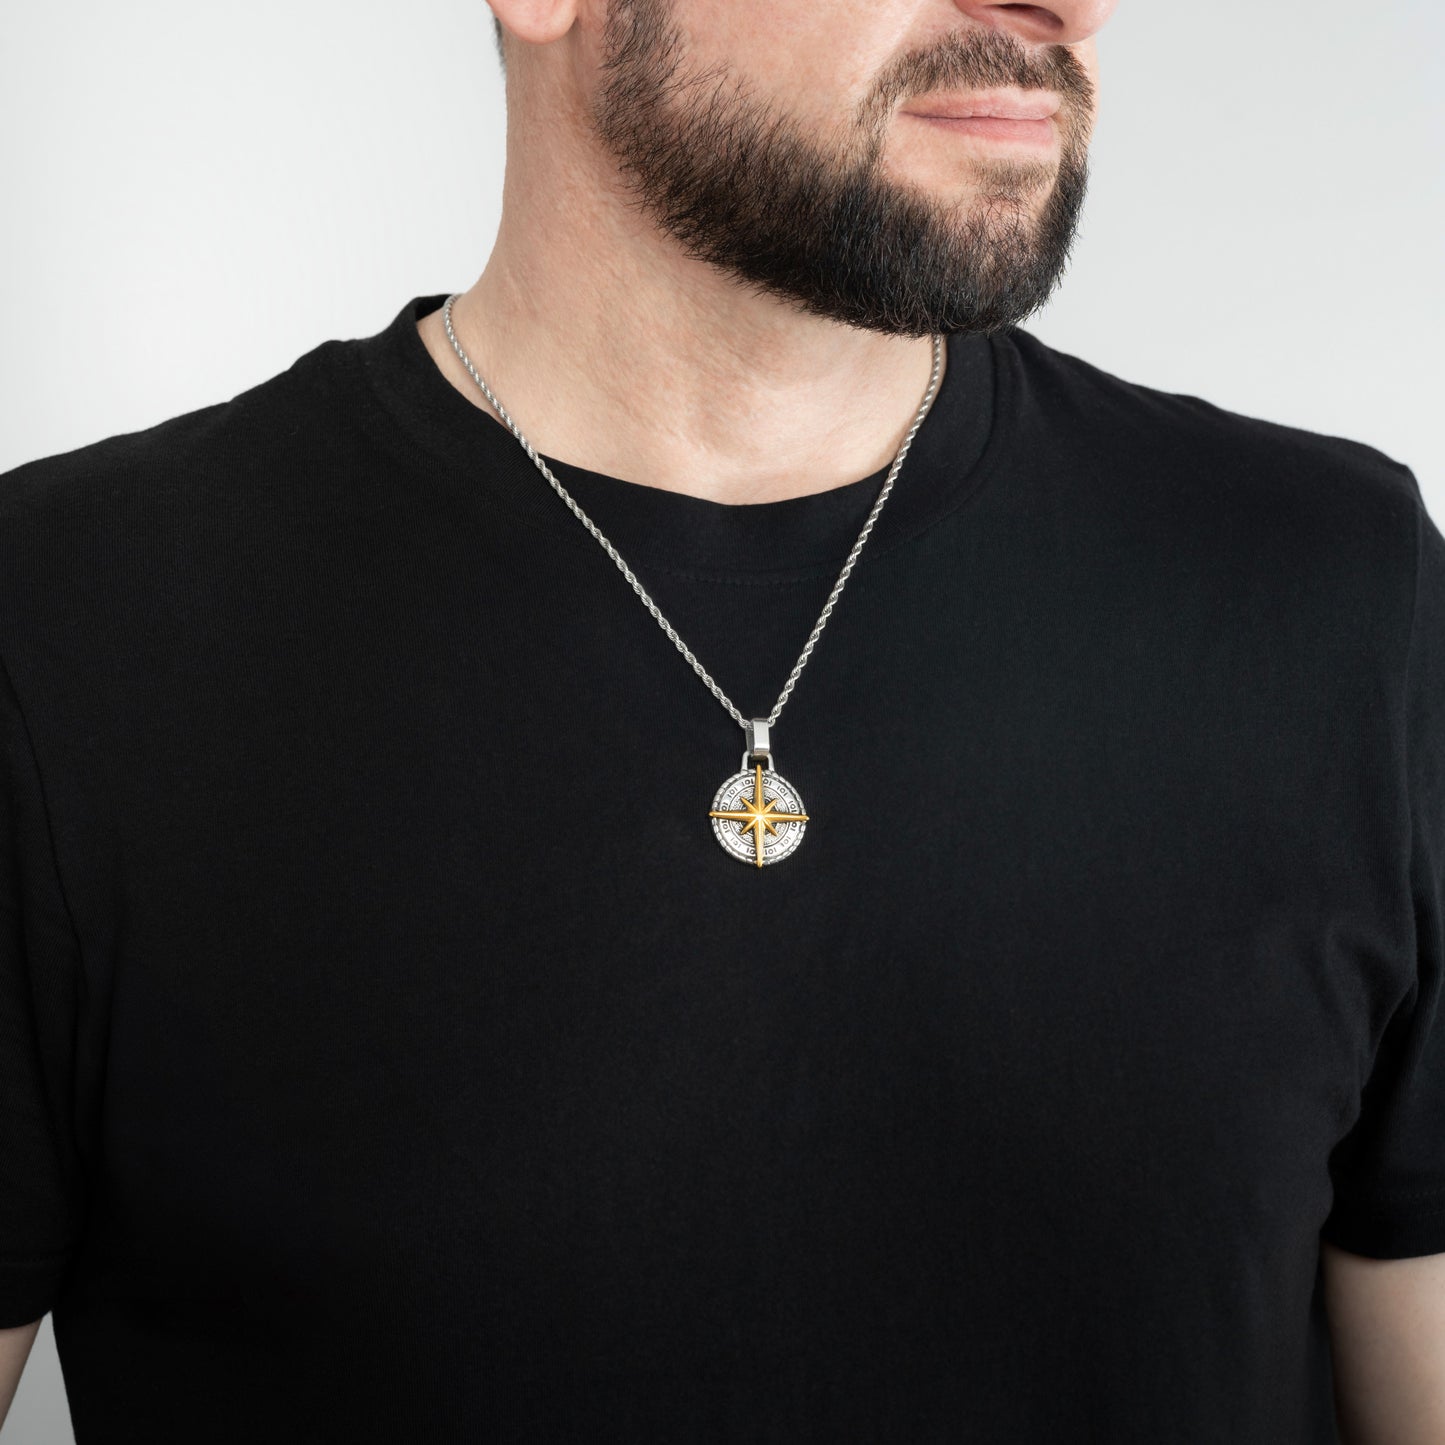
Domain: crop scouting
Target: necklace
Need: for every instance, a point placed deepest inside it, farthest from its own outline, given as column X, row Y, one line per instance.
column 757, row 815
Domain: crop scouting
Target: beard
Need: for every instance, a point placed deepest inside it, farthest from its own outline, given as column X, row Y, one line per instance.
column 816, row 222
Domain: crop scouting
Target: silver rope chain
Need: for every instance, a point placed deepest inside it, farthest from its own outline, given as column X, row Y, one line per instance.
column 652, row 607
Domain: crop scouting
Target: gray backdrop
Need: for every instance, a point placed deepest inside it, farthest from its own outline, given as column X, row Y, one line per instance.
column 194, row 196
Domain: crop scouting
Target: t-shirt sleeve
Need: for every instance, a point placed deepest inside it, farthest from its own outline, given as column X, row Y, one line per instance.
column 1389, row 1170
column 41, row 1203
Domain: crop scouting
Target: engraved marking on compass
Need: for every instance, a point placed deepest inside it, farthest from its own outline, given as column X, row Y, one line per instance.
column 759, row 816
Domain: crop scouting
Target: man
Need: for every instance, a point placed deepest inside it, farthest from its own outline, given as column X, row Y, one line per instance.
column 473, row 973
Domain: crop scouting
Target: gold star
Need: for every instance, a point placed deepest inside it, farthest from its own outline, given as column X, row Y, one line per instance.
column 759, row 817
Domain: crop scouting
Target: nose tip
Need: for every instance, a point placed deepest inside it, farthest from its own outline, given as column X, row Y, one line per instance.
column 1063, row 22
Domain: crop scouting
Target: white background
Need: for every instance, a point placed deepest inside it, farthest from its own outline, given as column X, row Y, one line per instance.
column 195, row 195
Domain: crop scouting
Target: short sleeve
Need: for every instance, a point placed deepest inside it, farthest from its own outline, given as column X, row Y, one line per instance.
column 1389, row 1170
column 41, row 1203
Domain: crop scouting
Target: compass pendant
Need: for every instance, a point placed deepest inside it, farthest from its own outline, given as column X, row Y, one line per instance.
column 757, row 814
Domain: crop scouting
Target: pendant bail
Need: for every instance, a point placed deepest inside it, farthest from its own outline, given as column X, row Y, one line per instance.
column 758, row 744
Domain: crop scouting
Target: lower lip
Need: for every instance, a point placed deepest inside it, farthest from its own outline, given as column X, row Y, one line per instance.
column 996, row 127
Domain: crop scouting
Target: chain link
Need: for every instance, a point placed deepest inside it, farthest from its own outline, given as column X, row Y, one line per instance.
column 637, row 587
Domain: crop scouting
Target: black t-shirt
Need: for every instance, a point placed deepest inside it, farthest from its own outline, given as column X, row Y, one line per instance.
column 391, row 1052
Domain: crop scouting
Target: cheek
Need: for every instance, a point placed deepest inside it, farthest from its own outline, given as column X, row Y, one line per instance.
column 812, row 57
column 751, row 36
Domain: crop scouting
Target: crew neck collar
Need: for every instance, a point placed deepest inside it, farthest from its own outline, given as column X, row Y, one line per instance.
column 957, row 444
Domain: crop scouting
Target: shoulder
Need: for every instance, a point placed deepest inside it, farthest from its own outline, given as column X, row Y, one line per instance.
column 1202, row 460
column 134, row 503
column 190, row 458
column 113, row 544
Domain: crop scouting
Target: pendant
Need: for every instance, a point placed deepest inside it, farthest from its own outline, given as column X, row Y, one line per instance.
column 757, row 814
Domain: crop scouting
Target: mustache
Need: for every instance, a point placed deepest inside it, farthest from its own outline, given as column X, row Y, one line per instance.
column 984, row 60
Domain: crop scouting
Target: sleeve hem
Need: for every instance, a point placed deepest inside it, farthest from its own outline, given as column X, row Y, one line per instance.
column 30, row 1288
column 1405, row 1225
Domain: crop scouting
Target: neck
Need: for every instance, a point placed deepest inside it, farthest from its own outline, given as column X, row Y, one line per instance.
column 613, row 351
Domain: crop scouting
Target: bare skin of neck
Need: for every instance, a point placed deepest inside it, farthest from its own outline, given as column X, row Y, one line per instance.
column 685, row 410
column 614, row 351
